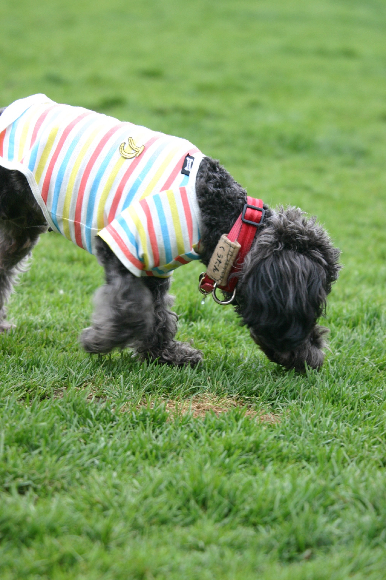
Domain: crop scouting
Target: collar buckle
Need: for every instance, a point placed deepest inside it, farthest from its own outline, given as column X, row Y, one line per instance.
column 250, row 222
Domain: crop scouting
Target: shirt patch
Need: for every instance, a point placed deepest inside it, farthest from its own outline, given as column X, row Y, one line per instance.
column 130, row 150
column 187, row 165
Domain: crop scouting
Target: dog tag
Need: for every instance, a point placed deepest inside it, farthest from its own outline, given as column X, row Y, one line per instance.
column 222, row 260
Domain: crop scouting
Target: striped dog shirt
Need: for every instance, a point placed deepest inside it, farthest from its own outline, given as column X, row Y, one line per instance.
column 94, row 175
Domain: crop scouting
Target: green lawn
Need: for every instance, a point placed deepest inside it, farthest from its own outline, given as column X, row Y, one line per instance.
column 97, row 479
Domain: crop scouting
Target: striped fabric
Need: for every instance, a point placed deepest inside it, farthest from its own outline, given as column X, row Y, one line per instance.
column 144, row 207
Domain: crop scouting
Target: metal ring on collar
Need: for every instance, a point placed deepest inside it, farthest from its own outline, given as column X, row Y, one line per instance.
column 199, row 284
column 222, row 302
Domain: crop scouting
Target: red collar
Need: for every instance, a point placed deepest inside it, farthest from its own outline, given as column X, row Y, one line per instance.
column 243, row 231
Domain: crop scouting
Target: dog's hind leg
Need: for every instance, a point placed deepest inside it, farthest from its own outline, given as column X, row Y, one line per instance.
column 15, row 246
column 21, row 223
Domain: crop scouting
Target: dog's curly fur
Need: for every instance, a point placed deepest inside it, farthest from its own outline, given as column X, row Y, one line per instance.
column 281, row 292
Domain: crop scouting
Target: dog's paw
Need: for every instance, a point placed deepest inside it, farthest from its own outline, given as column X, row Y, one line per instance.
column 93, row 342
column 176, row 353
column 6, row 326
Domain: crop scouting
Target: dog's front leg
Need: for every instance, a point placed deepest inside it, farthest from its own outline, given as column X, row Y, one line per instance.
column 160, row 344
column 124, row 311
column 123, row 314
column 134, row 312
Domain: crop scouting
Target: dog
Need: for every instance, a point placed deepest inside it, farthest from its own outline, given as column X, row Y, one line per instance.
column 278, row 283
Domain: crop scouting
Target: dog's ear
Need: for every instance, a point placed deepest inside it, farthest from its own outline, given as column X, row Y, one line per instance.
column 282, row 297
column 290, row 229
column 286, row 278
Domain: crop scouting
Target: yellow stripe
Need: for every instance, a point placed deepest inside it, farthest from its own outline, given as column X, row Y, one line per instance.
column 46, row 152
column 176, row 222
column 159, row 173
column 142, row 234
column 34, row 112
column 170, row 266
column 106, row 191
column 71, row 182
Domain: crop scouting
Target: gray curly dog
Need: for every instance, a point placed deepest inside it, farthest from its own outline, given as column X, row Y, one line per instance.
column 282, row 283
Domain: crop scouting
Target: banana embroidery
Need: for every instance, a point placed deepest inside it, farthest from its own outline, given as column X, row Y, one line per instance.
column 130, row 150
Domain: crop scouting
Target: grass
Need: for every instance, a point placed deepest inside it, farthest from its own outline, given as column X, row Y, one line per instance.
column 99, row 478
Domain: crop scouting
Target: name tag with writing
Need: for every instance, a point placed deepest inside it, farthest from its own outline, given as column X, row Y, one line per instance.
column 222, row 260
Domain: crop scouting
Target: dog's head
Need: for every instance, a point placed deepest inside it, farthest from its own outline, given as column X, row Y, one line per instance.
column 283, row 287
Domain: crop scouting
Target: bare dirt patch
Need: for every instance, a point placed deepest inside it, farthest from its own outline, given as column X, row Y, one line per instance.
column 199, row 405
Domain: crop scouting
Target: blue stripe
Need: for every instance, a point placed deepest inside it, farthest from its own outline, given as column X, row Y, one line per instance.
column 164, row 228
column 34, row 151
column 60, row 176
column 185, row 181
column 138, row 182
column 123, row 223
column 191, row 256
column 11, row 141
column 94, row 188
column 87, row 232
column 159, row 271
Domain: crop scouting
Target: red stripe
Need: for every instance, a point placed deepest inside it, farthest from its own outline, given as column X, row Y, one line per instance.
column 181, row 260
column 83, row 183
column 177, row 170
column 151, row 232
column 234, row 233
column 121, row 186
column 2, row 136
column 122, row 246
column 188, row 215
column 47, row 179
column 39, row 123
